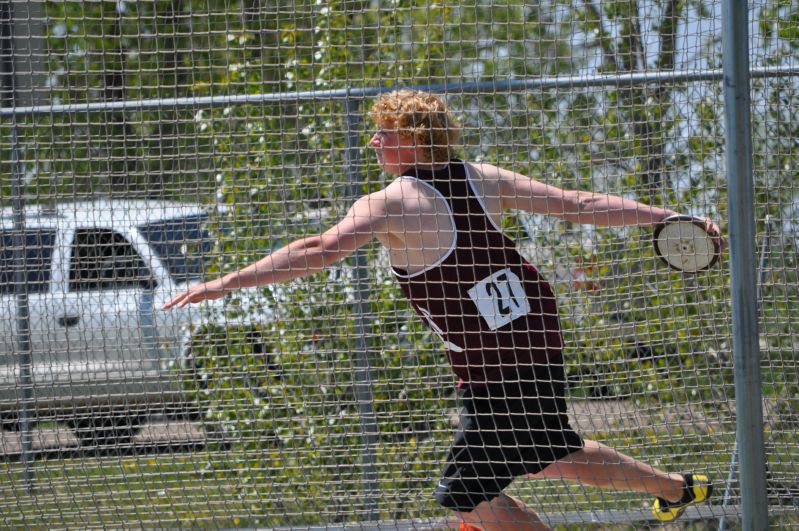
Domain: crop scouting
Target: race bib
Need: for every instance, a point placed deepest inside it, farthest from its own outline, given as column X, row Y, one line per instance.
column 500, row 298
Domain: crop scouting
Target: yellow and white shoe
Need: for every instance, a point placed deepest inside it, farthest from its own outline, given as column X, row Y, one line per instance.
column 697, row 489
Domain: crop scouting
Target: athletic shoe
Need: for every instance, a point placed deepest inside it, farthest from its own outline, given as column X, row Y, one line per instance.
column 697, row 489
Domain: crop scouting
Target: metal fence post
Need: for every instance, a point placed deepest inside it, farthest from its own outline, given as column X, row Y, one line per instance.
column 23, row 335
column 748, row 395
column 363, row 370
column 22, row 81
column 765, row 251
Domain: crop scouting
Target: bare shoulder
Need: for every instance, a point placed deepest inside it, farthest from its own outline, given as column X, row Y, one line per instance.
column 495, row 175
column 400, row 200
column 487, row 179
column 400, row 216
column 407, row 196
column 491, row 172
column 490, row 177
column 515, row 190
column 388, row 199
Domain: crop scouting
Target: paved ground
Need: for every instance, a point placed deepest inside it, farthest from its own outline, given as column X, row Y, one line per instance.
column 588, row 417
column 161, row 434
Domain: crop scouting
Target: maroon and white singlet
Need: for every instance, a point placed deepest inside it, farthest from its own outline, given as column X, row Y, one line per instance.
column 491, row 307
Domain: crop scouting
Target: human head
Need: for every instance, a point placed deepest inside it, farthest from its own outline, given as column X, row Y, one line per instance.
column 422, row 118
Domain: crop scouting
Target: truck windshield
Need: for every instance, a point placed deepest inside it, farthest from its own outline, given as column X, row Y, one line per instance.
column 182, row 244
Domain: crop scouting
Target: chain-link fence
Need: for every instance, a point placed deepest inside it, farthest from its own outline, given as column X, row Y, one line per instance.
column 149, row 145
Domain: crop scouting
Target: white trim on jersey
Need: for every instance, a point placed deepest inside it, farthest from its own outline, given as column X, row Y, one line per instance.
column 454, row 231
column 480, row 199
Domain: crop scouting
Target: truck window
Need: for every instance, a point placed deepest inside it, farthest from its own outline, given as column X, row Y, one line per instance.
column 182, row 244
column 105, row 260
column 36, row 253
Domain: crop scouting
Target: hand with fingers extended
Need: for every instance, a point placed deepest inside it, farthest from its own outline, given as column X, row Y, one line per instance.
column 715, row 232
column 207, row 291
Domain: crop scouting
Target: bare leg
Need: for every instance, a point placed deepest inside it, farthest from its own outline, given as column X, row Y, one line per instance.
column 597, row 465
column 602, row 466
column 504, row 513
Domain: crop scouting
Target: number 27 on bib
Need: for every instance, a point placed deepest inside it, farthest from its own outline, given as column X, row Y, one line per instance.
column 500, row 298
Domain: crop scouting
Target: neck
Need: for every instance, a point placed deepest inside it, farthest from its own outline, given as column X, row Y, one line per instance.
column 426, row 166
column 431, row 166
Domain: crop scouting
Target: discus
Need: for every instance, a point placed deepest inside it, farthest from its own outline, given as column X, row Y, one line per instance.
column 684, row 243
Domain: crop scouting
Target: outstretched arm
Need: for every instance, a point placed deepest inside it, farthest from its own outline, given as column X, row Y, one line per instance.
column 520, row 192
column 609, row 210
column 303, row 257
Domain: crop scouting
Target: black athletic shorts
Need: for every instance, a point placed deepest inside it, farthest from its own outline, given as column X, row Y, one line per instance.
column 507, row 429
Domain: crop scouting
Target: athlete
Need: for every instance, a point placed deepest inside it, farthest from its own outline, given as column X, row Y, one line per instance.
column 439, row 220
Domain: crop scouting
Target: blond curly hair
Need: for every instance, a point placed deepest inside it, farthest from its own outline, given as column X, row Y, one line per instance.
column 421, row 116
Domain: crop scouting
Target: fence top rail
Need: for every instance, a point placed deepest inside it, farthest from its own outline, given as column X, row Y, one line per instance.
column 540, row 83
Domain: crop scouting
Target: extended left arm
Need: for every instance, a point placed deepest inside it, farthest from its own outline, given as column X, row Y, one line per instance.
column 608, row 210
column 520, row 192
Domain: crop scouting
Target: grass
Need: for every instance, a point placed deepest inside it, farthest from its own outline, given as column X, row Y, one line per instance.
column 163, row 491
column 239, row 489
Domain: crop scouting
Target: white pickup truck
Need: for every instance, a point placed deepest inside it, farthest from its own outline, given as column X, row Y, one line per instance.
column 95, row 273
